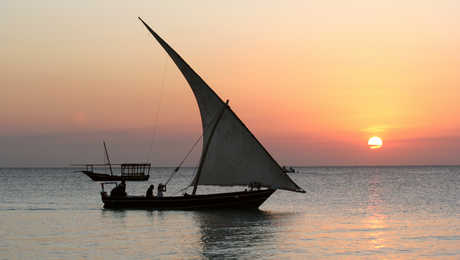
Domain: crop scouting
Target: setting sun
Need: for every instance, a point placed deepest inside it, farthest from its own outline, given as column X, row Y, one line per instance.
column 375, row 142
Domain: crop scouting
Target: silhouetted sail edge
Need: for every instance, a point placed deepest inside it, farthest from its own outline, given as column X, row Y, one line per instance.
column 235, row 156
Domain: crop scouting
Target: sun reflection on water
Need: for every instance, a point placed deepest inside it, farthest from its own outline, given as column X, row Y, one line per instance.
column 376, row 219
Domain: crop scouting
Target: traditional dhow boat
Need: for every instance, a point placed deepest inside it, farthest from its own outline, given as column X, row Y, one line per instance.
column 128, row 171
column 231, row 156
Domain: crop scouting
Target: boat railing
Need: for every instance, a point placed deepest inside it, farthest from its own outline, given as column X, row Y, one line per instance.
column 135, row 169
column 126, row 169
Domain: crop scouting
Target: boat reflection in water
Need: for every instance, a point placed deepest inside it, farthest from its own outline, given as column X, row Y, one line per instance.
column 239, row 230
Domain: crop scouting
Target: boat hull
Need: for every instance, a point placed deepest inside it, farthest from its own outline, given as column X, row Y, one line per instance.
column 107, row 177
column 231, row 200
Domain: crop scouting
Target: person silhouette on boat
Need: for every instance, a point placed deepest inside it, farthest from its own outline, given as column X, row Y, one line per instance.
column 161, row 189
column 123, row 188
column 119, row 190
column 254, row 185
column 149, row 193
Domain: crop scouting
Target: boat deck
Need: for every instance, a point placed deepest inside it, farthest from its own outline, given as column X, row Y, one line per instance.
column 242, row 199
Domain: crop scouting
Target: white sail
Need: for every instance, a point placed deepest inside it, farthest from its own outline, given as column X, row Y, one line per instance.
column 234, row 155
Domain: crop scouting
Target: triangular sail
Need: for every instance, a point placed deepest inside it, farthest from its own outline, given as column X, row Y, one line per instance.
column 234, row 156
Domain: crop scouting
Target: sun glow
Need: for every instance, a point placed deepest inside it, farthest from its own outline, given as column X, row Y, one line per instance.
column 375, row 142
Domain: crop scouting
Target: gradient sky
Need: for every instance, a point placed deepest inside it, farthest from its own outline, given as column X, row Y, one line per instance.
column 313, row 80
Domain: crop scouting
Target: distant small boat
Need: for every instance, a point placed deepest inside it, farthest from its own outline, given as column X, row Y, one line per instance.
column 288, row 169
column 128, row 171
column 231, row 156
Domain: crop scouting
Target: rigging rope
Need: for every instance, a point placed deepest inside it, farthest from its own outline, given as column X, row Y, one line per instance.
column 190, row 151
column 180, row 164
column 157, row 113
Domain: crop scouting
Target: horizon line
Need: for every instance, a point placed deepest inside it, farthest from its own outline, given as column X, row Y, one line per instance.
column 295, row 166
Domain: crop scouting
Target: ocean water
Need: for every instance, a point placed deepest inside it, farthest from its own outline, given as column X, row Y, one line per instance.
column 347, row 213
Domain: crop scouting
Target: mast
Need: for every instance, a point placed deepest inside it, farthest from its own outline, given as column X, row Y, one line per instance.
column 205, row 150
column 108, row 159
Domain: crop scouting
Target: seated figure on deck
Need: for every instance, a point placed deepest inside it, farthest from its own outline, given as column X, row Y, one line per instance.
column 149, row 193
column 254, row 185
column 119, row 190
column 161, row 189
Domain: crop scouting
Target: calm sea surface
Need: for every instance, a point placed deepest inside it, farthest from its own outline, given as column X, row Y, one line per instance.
column 347, row 212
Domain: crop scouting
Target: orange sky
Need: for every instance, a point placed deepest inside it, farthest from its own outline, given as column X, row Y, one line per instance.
column 313, row 81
